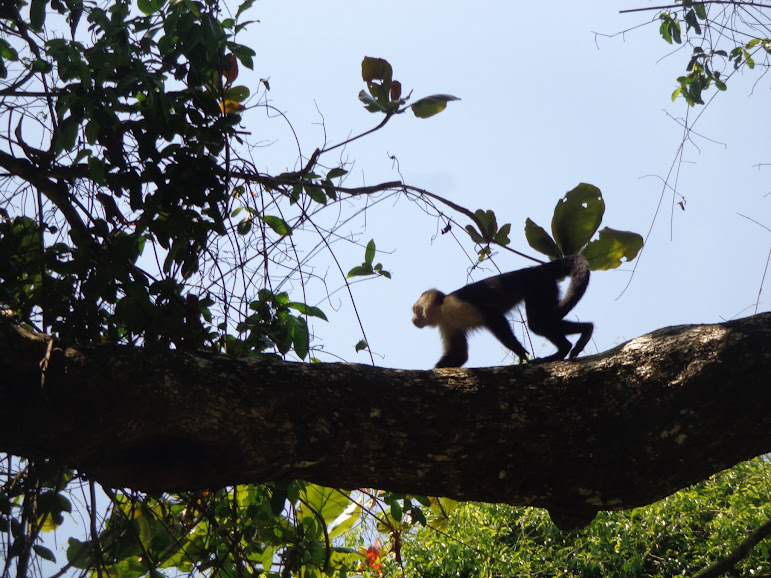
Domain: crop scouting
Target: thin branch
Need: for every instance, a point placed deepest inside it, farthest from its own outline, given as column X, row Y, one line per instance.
column 370, row 131
column 669, row 6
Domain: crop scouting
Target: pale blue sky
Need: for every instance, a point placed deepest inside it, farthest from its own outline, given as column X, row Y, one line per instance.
column 545, row 105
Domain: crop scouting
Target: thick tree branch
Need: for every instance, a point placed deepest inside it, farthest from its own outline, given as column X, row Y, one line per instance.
column 610, row 431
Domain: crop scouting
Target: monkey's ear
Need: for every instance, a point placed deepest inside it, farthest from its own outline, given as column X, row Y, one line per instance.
column 431, row 297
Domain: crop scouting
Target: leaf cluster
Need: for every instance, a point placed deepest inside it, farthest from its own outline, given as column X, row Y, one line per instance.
column 708, row 58
column 678, row 536
column 385, row 93
column 281, row 529
column 577, row 216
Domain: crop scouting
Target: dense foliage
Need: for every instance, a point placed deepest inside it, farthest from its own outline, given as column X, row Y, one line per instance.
column 678, row 536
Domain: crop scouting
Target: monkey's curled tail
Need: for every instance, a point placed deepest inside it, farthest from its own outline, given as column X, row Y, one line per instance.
column 578, row 268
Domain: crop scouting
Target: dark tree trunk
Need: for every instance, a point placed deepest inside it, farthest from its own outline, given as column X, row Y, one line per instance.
column 611, row 431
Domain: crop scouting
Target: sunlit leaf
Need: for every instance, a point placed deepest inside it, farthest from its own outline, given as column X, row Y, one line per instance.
column 431, row 105
column 229, row 106
column 612, row 249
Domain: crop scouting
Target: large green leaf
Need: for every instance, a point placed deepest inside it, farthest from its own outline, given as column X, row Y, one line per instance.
column 577, row 217
column 612, row 248
column 327, row 503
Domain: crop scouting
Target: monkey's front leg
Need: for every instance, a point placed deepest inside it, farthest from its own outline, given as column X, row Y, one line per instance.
column 455, row 351
column 499, row 326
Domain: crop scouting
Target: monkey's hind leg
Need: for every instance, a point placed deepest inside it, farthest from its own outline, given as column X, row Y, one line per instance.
column 557, row 332
column 586, row 330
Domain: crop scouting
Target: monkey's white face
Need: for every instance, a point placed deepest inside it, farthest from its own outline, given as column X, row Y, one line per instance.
column 418, row 319
column 423, row 310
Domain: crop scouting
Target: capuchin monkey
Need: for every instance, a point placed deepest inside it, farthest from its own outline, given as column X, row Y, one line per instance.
column 485, row 304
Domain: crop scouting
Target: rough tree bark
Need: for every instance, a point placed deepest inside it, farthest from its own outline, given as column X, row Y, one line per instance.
column 611, row 431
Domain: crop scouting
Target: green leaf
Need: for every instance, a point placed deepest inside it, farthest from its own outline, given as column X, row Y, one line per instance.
column 431, row 105
column 96, row 169
column 701, row 11
column 44, row 553
column 300, row 336
column 277, row 224
column 539, row 239
column 691, row 21
column 316, row 193
column 475, row 236
column 664, row 28
column 66, row 135
column 149, row 7
column 244, row 226
column 309, row 310
column 675, row 31
column 37, row 14
column 41, row 66
column 396, row 510
column 502, row 236
column 337, row 172
column 325, row 502
column 243, row 7
column 376, row 69
column 245, row 56
column 577, row 217
column 92, row 131
column 361, row 271
column 612, row 249
column 369, row 252
column 370, row 103
column 237, row 93
column 488, row 222
column 8, row 52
